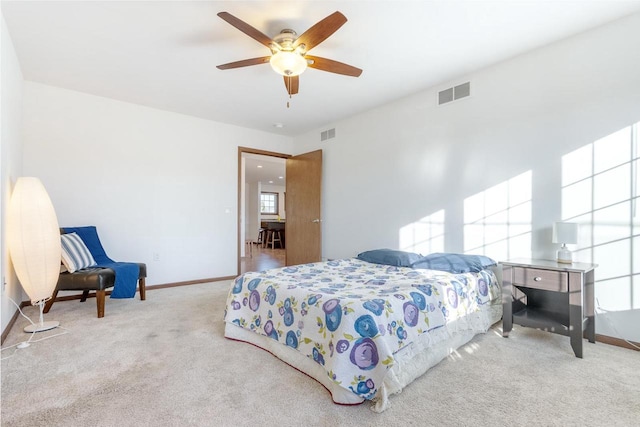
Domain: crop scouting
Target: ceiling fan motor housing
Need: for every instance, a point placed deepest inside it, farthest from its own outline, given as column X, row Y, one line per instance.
column 285, row 39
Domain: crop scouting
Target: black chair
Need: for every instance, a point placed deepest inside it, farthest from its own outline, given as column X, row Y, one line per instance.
column 97, row 279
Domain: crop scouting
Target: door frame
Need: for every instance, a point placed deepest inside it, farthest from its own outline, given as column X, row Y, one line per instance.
column 248, row 150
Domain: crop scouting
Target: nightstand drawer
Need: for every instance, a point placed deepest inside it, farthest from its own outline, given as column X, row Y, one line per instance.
column 541, row 279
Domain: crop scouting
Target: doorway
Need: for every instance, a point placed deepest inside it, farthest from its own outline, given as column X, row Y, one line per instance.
column 260, row 172
column 303, row 179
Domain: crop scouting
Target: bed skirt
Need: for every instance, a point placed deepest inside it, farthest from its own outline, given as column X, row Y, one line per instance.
column 409, row 365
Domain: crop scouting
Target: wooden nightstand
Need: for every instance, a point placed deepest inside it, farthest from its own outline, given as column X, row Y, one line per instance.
column 553, row 297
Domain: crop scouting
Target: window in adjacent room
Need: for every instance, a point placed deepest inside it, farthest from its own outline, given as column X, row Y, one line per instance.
column 269, row 203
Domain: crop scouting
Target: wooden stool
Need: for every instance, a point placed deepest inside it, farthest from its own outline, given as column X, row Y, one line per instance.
column 274, row 236
column 248, row 243
column 262, row 240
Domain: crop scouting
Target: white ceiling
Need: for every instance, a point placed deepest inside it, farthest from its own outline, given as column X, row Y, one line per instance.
column 264, row 169
column 163, row 54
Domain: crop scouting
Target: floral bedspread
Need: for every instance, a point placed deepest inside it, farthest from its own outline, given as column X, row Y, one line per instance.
column 352, row 316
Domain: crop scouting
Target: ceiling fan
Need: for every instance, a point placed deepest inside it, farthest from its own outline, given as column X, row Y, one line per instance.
column 289, row 52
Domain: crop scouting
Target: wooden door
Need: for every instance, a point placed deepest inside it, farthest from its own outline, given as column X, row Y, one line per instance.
column 302, row 205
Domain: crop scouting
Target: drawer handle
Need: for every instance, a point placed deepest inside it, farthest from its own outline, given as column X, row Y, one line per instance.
column 537, row 278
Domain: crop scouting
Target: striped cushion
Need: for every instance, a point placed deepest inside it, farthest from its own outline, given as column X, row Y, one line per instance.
column 75, row 255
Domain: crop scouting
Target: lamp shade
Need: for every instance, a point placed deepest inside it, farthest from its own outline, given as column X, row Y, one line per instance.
column 288, row 63
column 565, row 232
column 33, row 238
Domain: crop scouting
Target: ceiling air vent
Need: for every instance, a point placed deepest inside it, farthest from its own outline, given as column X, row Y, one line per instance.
column 454, row 93
column 327, row 134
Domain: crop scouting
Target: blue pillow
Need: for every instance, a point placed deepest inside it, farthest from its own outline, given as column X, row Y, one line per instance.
column 390, row 257
column 454, row 263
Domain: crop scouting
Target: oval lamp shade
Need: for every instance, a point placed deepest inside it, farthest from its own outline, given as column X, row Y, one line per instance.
column 33, row 238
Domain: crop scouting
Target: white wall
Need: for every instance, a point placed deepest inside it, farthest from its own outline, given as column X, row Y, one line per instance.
column 10, row 162
column 243, row 207
column 153, row 182
column 253, row 211
column 393, row 165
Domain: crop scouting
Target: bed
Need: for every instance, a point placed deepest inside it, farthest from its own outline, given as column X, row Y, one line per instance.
column 364, row 330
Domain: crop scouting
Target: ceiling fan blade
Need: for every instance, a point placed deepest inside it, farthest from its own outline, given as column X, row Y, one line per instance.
column 246, row 28
column 332, row 66
column 244, row 63
column 292, row 84
column 321, row 30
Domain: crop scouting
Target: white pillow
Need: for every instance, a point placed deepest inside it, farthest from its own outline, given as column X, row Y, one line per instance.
column 75, row 255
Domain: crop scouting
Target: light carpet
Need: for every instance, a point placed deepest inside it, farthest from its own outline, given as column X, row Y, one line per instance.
column 165, row 362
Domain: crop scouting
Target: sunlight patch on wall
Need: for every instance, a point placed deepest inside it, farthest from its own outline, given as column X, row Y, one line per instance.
column 600, row 185
column 424, row 236
column 497, row 221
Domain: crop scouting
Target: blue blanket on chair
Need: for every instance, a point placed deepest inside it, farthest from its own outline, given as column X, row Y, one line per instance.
column 126, row 272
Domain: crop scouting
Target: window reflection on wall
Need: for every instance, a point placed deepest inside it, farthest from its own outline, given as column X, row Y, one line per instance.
column 424, row 236
column 600, row 183
column 497, row 221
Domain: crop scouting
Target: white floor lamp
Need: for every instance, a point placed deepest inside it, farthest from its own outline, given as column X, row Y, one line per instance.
column 33, row 237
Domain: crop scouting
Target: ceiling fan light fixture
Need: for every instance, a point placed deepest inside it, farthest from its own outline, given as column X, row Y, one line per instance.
column 288, row 63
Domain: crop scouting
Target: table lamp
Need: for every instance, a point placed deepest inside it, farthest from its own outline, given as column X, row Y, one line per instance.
column 565, row 233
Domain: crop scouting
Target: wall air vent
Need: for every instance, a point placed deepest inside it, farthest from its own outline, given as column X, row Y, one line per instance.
column 445, row 96
column 454, row 93
column 327, row 134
